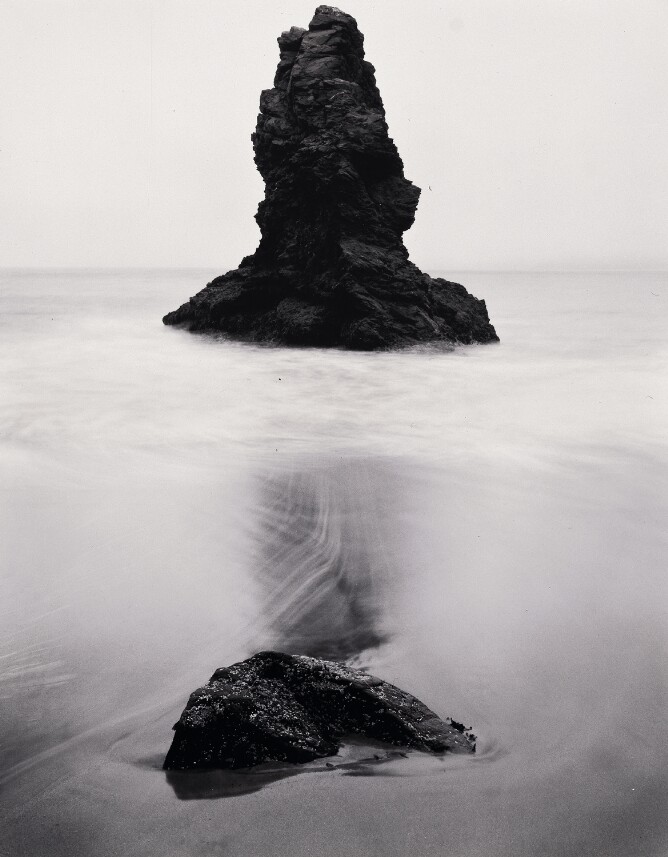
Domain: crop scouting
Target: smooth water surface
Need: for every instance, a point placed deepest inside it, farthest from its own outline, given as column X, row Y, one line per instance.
column 483, row 526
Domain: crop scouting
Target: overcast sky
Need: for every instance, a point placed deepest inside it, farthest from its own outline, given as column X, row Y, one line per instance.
column 537, row 129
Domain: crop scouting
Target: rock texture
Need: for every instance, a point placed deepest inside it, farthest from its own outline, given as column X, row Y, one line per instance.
column 331, row 268
column 292, row 708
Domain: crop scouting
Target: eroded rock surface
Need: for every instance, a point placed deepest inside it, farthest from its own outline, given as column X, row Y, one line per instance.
column 292, row 708
column 331, row 268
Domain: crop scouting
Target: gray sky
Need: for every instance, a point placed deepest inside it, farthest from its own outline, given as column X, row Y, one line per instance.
column 537, row 129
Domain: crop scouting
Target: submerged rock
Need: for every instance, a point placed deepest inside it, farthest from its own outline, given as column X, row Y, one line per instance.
column 292, row 708
column 331, row 268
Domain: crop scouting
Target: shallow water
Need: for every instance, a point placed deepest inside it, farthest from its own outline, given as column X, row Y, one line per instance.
column 484, row 527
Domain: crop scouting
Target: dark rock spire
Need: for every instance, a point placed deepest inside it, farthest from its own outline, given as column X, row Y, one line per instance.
column 331, row 268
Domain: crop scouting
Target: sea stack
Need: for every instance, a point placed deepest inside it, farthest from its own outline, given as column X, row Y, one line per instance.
column 331, row 268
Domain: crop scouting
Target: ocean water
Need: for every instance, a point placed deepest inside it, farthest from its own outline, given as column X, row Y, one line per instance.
column 483, row 526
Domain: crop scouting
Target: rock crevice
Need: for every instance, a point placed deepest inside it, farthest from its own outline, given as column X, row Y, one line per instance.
column 331, row 268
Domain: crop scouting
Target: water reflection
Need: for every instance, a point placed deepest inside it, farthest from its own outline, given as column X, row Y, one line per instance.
column 322, row 560
column 358, row 758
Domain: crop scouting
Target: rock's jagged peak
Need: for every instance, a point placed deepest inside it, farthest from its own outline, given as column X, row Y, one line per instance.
column 329, row 53
column 329, row 16
column 324, row 18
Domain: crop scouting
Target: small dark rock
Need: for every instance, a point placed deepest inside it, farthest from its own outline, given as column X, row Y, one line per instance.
column 331, row 268
column 292, row 708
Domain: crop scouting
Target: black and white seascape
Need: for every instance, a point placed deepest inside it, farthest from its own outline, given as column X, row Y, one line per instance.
column 480, row 525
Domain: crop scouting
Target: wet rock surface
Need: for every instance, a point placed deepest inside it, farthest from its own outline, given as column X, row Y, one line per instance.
column 275, row 707
column 331, row 268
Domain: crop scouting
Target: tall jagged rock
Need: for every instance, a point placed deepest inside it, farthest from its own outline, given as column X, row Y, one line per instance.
column 331, row 268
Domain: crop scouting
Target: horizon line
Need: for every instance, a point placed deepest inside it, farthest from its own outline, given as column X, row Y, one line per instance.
column 434, row 268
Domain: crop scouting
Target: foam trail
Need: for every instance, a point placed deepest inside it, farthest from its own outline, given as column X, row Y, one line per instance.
column 322, row 562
